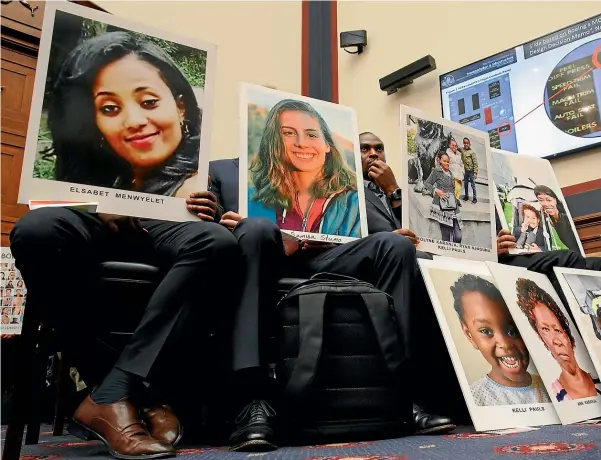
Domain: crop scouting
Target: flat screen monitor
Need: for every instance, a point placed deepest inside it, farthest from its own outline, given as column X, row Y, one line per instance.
column 541, row 98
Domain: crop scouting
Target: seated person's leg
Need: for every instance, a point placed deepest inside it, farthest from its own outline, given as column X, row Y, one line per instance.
column 593, row 263
column 389, row 262
column 58, row 251
column 194, row 256
column 260, row 242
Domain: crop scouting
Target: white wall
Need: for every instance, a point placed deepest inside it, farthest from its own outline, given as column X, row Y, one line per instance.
column 455, row 34
column 258, row 42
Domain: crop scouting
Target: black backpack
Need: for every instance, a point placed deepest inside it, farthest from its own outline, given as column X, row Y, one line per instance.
column 340, row 363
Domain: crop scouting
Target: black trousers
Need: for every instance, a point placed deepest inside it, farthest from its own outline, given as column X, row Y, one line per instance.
column 386, row 260
column 593, row 263
column 58, row 251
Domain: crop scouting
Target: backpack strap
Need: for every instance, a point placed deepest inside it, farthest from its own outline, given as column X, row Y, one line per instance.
column 325, row 276
column 384, row 323
column 311, row 312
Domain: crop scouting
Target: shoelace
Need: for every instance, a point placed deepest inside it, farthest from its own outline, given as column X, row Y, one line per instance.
column 256, row 410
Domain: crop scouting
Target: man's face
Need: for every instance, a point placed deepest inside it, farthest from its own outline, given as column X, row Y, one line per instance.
column 372, row 149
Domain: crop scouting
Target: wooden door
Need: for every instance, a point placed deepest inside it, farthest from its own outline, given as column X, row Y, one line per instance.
column 18, row 73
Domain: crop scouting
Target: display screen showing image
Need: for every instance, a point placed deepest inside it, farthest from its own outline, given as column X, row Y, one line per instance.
column 540, row 98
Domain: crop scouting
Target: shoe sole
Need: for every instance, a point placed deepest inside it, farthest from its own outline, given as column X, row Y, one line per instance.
column 254, row 446
column 179, row 437
column 438, row 429
column 83, row 432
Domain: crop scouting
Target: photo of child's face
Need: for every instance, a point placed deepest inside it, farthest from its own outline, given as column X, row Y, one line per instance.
column 530, row 218
column 490, row 329
column 554, row 337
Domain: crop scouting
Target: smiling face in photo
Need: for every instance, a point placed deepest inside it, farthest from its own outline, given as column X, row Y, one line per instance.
column 136, row 112
column 531, row 218
column 490, row 329
column 554, row 337
column 548, row 203
column 305, row 144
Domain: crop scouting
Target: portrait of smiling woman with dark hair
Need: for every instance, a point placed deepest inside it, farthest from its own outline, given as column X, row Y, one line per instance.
column 122, row 115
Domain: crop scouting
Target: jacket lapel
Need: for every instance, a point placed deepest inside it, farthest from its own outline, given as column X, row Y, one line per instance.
column 373, row 199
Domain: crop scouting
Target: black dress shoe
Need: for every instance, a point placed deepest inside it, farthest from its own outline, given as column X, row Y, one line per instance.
column 431, row 424
column 253, row 429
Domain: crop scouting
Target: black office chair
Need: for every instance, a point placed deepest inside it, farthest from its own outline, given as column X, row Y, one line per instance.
column 133, row 282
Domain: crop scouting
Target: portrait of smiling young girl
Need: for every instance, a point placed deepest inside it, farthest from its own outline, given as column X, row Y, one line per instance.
column 299, row 178
column 488, row 326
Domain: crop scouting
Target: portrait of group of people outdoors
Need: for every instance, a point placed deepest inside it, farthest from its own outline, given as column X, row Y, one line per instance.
column 123, row 119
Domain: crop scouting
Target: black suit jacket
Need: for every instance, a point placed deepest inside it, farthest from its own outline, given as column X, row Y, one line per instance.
column 378, row 217
column 224, row 182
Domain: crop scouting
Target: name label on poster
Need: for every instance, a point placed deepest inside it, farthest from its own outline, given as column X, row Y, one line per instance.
column 523, row 410
column 316, row 237
column 455, row 247
column 588, row 401
column 121, row 195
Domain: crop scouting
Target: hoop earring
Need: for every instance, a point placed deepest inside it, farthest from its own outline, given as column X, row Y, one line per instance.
column 184, row 127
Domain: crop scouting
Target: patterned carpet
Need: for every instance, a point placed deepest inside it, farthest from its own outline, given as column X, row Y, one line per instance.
column 579, row 441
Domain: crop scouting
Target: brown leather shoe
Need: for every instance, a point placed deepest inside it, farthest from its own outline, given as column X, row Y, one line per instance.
column 117, row 425
column 163, row 424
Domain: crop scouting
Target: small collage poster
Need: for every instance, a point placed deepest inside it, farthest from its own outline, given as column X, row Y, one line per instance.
column 13, row 292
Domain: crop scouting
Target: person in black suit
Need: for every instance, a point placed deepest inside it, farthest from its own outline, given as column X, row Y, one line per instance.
column 388, row 260
column 197, row 259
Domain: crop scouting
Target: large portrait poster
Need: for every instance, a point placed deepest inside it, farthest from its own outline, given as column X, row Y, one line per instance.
column 501, row 386
column 530, row 204
column 121, row 115
column 448, row 202
column 582, row 289
column 554, row 342
column 300, row 165
column 12, row 294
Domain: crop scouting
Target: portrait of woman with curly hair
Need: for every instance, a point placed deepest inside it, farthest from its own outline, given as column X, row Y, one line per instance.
column 553, row 328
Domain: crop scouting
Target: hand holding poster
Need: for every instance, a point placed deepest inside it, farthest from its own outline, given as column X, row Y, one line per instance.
column 530, row 204
column 121, row 115
column 300, row 165
column 446, row 175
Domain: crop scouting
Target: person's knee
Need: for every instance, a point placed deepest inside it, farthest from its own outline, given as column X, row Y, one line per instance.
column 397, row 246
column 573, row 259
column 257, row 229
column 208, row 238
column 38, row 229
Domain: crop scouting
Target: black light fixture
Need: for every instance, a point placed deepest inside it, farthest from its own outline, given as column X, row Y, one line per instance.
column 352, row 39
